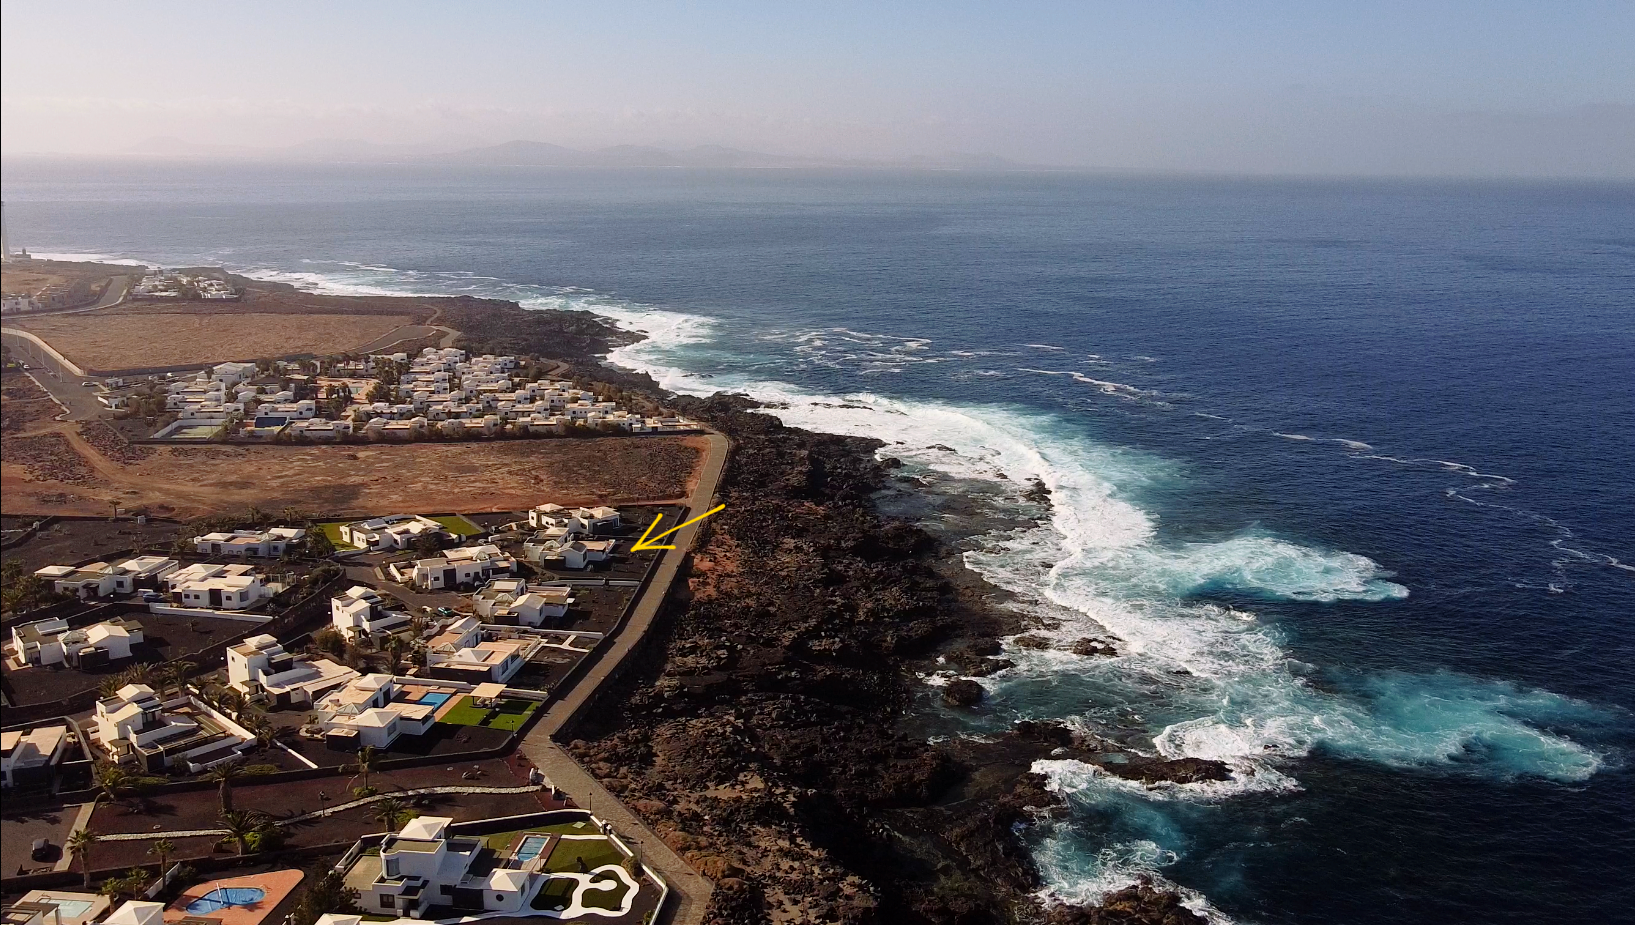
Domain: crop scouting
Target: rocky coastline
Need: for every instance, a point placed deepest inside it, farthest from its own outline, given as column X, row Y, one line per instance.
column 768, row 737
column 767, row 740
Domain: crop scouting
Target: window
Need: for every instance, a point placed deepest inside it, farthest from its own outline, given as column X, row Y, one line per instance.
column 388, row 901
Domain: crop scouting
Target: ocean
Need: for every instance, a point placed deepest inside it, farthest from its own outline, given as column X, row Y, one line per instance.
column 1344, row 467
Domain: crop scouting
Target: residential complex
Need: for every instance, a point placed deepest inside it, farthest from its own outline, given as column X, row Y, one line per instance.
column 466, row 566
column 28, row 757
column 395, row 531
column 260, row 667
column 134, row 725
column 360, row 613
column 264, row 544
column 53, row 642
column 102, row 579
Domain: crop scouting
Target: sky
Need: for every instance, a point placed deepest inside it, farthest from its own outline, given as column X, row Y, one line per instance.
column 1331, row 88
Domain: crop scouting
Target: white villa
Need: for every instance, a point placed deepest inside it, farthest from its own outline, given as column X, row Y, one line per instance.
column 100, row 579
column 463, row 651
column 360, row 613
column 264, row 543
column 52, row 642
column 513, row 601
column 397, row 531
column 468, row 565
column 363, row 714
column 569, row 554
column 134, row 725
column 28, row 757
column 260, row 666
column 218, row 587
column 584, row 520
column 422, row 865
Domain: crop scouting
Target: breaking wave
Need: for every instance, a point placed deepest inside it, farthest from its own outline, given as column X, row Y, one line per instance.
column 1195, row 676
column 1208, row 680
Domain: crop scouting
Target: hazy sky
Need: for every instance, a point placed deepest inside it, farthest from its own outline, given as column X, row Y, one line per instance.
column 1545, row 87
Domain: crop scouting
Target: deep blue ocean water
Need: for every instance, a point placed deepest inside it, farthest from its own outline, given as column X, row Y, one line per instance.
column 1345, row 467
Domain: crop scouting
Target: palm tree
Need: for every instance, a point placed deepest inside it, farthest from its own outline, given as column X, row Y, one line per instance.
column 223, row 775
column 177, row 674
column 230, row 700
column 394, row 652
column 366, row 764
column 390, row 811
column 240, row 825
column 111, row 779
column 129, row 885
column 163, row 849
column 79, row 845
column 262, row 728
column 137, row 674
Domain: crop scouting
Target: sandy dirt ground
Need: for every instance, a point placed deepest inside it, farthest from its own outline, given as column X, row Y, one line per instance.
column 342, row 480
column 23, row 404
column 34, row 275
column 140, row 340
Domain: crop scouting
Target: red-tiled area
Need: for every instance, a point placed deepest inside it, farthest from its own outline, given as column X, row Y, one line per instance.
column 276, row 884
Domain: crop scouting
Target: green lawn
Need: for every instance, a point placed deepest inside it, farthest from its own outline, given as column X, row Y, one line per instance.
column 508, row 716
column 557, row 891
column 567, row 828
column 500, row 842
column 564, row 857
column 332, row 529
column 459, row 525
column 604, row 899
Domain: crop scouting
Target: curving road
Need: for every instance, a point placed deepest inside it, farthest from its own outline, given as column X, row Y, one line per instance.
column 692, row 891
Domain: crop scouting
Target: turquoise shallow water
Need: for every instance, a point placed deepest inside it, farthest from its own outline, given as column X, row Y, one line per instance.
column 1342, row 467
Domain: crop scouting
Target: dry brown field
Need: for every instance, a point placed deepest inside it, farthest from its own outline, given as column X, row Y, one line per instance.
column 139, row 340
column 275, row 299
column 348, row 479
column 34, row 275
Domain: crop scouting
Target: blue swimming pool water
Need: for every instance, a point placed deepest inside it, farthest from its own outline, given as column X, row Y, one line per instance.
column 531, row 846
column 434, row 699
column 71, row 908
column 219, row 899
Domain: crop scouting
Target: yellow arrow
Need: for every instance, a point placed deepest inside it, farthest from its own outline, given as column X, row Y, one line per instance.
column 647, row 542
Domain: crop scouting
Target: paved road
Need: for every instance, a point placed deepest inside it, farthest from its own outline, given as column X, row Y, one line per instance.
column 692, row 890
column 113, row 295
column 80, row 400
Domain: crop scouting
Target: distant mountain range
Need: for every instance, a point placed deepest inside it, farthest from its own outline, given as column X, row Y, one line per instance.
column 543, row 154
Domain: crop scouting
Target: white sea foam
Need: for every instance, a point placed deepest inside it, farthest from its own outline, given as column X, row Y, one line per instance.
column 1106, row 387
column 1077, row 871
column 93, row 258
column 1205, row 680
column 1096, row 567
column 331, row 283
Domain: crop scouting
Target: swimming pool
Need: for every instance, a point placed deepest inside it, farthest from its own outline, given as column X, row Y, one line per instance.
column 434, row 699
column 222, row 897
column 71, row 908
column 531, row 846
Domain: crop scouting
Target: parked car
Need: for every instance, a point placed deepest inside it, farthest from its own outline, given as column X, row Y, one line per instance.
column 149, row 597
